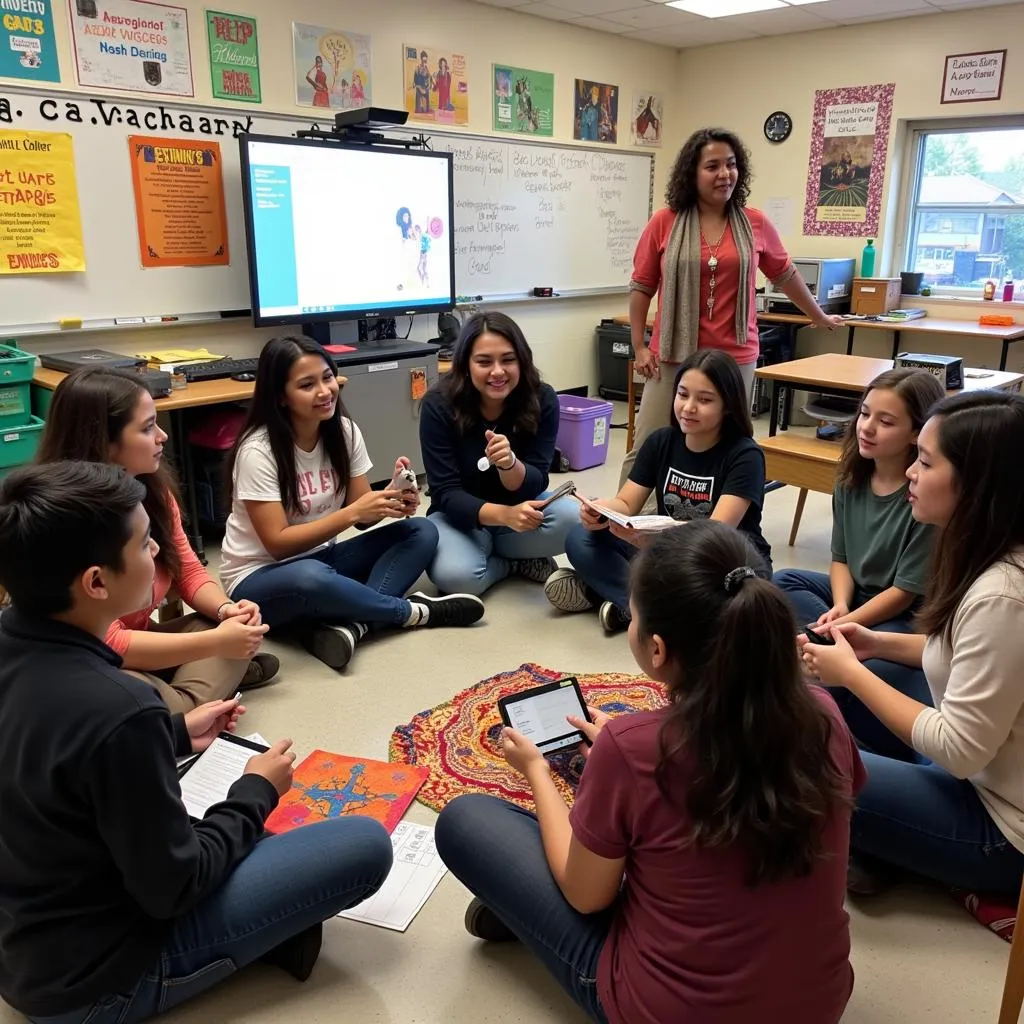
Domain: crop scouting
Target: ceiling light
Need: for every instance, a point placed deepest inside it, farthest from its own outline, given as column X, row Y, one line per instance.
column 725, row 8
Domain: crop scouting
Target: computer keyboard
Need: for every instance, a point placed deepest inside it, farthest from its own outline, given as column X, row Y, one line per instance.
column 217, row 369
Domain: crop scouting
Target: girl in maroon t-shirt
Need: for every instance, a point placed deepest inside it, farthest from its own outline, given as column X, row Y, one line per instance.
column 701, row 873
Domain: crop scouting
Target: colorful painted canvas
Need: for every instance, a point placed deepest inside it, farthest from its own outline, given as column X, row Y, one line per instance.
column 327, row 785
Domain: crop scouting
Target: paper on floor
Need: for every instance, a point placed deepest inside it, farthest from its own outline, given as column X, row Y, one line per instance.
column 414, row 876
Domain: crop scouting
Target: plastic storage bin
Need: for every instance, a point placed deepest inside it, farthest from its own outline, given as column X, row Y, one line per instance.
column 583, row 428
column 16, row 370
column 18, row 444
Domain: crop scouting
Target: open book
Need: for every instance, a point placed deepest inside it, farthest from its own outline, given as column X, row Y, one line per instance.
column 642, row 524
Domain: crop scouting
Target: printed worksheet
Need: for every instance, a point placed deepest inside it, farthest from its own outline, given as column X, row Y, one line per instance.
column 207, row 780
column 414, row 876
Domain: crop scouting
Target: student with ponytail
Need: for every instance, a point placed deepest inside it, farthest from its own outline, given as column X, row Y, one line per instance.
column 701, row 872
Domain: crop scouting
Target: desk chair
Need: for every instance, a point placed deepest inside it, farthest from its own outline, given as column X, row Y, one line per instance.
column 1013, row 987
column 825, row 410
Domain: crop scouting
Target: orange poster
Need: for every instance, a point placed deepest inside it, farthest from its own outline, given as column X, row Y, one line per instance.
column 179, row 202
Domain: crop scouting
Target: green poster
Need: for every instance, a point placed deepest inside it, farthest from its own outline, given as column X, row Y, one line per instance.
column 234, row 57
column 523, row 101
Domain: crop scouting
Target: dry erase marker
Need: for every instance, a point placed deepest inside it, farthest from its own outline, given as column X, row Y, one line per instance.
column 237, row 696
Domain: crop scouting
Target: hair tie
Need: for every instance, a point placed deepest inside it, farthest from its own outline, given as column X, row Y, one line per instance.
column 734, row 580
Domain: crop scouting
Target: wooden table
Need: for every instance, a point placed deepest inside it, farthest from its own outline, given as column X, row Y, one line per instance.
column 835, row 374
column 195, row 395
column 809, row 462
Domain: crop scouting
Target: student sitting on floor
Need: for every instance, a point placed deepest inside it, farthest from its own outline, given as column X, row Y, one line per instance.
column 298, row 479
column 487, row 431
column 701, row 872
column 945, row 791
column 705, row 465
column 103, row 415
column 114, row 905
column 880, row 551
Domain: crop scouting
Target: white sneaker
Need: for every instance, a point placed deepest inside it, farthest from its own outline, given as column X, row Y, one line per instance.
column 567, row 592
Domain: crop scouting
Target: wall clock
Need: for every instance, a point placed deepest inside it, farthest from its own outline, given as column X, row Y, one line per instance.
column 777, row 126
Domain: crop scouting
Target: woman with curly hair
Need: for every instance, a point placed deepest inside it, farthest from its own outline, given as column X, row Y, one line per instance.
column 701, row 254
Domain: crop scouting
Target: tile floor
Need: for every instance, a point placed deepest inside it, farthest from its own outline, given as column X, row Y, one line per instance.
column 918, row 956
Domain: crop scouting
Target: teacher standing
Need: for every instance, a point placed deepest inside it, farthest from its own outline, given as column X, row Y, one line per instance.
column 700, row 255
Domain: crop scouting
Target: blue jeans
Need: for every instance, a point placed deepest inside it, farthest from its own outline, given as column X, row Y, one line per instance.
column 601, row 561
column 287, row 884
column 810, row 595
column 471, row 562
column 919, row 817
column 358, row 580
column 494, row 849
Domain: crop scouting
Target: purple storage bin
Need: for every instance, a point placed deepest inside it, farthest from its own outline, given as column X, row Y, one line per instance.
column 583, row 428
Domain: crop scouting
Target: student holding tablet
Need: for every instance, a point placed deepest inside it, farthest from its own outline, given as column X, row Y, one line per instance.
column 945, row 790
column 114, row 905
column 704, row 465
column 487, row 431
column 701, row 872
column 299, row 478
column 103, row 415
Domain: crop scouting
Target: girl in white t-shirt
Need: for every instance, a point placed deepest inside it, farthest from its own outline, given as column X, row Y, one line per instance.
column 298, row 479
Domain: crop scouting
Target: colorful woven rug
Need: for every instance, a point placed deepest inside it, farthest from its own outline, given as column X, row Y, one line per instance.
column 458, row 740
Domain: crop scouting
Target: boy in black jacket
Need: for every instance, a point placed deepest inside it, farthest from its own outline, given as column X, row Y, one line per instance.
column 114, row 905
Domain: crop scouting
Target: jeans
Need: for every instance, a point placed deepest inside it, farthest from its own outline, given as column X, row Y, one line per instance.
column 287, row 884
column 495, row 850
column 919, row 817
column 358, row 580
column 810, row 595
column 471, row 562
column 601, row 561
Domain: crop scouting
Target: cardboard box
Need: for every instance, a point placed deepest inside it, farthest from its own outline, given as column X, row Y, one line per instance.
column 873, row 295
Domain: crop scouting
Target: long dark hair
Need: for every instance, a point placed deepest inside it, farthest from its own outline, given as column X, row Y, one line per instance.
column 268, row 409
column 981, row 433
column 918, row 390
column 89, row 412
column 681, row 192
column 523, row 402
column 720, row 368
column 755, row 738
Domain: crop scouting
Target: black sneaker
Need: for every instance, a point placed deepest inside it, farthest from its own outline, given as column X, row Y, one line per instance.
column 261, row 671
column 450, row 610
column 298, row 954
column 484, row 923
column 333, row 645
column 613, row 619
column 537, row 570
column 567, row 592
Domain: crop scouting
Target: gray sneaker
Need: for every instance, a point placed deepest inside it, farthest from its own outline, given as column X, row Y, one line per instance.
column 567, row 592
column 612, row 618
column 536, row 570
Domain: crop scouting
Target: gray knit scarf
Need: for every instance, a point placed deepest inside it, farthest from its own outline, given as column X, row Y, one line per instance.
column 681, row 301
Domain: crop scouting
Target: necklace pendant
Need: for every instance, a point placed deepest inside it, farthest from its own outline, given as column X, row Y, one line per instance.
column 711, row 306
column 712, row 262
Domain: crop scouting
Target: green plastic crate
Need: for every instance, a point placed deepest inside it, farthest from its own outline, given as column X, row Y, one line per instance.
column 15, row 405
column 18, row 445
column 16, row 367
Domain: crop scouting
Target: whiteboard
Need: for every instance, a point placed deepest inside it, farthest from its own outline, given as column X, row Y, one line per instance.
column 527, row 214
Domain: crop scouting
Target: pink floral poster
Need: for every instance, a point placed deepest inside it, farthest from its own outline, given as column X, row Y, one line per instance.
column 849, row 143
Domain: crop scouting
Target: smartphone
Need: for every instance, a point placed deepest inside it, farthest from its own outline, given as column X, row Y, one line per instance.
column 818, row 638
column 559, row 492
column 540, row 714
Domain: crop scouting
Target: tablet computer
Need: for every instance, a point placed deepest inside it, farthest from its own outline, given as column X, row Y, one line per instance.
column 540, row 714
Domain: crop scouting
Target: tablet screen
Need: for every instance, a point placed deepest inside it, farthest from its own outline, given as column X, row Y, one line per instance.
column 540, row 715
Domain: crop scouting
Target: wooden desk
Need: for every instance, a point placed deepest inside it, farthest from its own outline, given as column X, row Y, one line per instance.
column 809, row 462
column 200, row 393
column 933, row 325
column 835, row 374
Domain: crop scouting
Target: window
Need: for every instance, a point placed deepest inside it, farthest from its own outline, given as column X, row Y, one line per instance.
column 964, row 221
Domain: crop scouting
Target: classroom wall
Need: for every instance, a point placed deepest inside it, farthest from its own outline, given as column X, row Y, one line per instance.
column 561, row 331
column 739, row 84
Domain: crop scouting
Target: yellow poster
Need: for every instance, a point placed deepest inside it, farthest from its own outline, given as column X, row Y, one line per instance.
column 40, row 223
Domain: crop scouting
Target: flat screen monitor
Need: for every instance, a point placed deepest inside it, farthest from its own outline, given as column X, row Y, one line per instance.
column 337, row 232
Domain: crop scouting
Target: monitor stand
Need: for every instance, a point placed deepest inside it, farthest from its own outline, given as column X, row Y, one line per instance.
column 339, row 332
